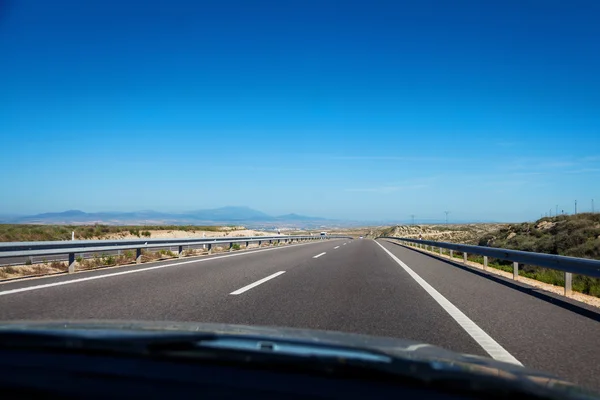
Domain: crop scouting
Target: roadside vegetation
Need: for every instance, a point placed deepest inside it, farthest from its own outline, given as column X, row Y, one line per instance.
column 565, row 235
column 26, row 233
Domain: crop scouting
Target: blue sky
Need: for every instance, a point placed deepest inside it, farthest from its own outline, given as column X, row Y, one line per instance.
column 370, row 110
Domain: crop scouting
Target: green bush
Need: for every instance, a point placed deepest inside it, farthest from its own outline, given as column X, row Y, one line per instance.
column 109, row 260
column 236, row 246
column 9, row 270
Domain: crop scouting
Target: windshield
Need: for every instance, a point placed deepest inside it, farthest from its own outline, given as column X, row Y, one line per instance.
column 363, row 167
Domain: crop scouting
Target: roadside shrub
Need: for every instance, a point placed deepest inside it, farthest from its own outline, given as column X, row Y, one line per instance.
column 236, row 246
column 108, row 260
column 9, row 270
column 146, row 234
column 39, row 270
column 58, row 265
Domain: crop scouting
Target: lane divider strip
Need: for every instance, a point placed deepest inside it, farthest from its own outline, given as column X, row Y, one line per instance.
column 493, row 348
column 259, row 282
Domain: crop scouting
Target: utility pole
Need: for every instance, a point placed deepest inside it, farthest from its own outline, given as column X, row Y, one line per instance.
column 447, row 212
column 592, row 206
column 575, row 207
column 413, row 218
column 550, row 213
column 556, row 214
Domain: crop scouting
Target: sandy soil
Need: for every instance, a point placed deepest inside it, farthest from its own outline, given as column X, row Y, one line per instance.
column 189, row 234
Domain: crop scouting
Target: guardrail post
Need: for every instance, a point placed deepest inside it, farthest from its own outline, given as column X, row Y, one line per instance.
column 259, row 243
column 230, row 246
column 568, row 283
column 465, row 258
column 209, row 248
column 485, row 262
column 515, row 270
column 247, row 243
column 71, row 263
column 138, row 256
column 180, row 251
column 451, row 254
column 440, row 251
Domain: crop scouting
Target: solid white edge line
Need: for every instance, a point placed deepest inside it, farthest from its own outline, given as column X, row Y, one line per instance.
column 91, row 278
column 263, row 280
column 493, row 348
column 319, row 255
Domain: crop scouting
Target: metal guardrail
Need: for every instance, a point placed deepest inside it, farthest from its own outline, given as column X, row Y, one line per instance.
column 64, row 244
column 569, row 265
column 31, row 249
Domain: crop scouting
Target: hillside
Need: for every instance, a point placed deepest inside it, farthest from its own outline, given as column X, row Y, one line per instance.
column 457, row 233
column 566, row 235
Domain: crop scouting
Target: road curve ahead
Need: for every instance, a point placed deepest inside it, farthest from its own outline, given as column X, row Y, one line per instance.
column 361, row 286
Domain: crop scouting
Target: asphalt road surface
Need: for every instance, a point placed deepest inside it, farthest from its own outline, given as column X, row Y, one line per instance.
column 361, row 286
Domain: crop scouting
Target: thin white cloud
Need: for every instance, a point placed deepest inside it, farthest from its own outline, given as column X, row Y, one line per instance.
column 388, row 188
column 583, row 171
column 391, row 158
column 506, row 183
column 557, row 164
column 591, row 158
column 508, row 144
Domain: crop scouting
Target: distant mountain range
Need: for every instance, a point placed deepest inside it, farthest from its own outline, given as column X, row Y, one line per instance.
column 217, row 216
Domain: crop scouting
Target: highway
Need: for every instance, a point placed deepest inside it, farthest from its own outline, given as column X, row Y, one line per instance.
column 360, row 286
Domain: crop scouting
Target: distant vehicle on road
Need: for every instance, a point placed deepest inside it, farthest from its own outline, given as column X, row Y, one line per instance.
column 323, row 234
column 361, row 237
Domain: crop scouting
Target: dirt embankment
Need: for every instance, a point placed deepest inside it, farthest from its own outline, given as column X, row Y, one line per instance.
column 177, row 234
column 463, row 233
